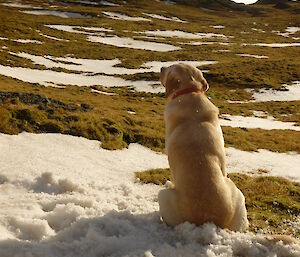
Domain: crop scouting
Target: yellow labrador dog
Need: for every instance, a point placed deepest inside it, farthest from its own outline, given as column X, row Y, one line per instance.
column 201, row 191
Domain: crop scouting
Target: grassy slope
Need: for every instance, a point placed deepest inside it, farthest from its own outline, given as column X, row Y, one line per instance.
column 273, row 204
column 269, row 200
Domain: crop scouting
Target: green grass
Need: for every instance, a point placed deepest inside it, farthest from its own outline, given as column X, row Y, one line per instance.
column 108, row 120
column 273, row 203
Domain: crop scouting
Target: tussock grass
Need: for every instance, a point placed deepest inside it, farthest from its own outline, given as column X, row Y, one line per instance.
column 108, row 120
column 273, row 203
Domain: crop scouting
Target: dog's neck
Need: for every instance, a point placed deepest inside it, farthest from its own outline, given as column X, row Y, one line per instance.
column 186, row 91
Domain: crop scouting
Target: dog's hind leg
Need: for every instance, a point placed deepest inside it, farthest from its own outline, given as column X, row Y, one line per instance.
column 168, row 207
column 239, row 221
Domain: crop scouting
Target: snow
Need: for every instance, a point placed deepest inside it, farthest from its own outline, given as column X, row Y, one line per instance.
column 155, row 66
column 292, row 93
column 289, row 31
column 292, row 30
column 182, row 34
column 95, row 72
column 109, row 67
column 79, row 29
column 274, row 45
column 132, row 43
column 217, row 26
column 101, row 92
column 123, row 17
column 20, row 5
column 108, row 3
column 116, row 40
column 161, row 17
column 253, row 56
column 285, row 165
column 53, row 38
column 27, row 41
column 197, row 43
column 60, row 79
column 57, row 13
column 104, row 212
column 256, row 122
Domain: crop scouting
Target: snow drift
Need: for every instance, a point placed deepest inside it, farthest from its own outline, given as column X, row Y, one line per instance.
column 66, row 196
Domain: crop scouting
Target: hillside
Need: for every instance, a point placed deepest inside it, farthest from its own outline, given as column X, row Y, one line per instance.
column 82, row 123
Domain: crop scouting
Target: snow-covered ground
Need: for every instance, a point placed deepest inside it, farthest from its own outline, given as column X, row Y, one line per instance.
column 124, row 17
column 95, row 72
column 65, row 196
column 182, row 34
column 274, row 45
column 256, row 122
column 254, row 56
column 161, row 17
column 57, row 13
column 292, row 93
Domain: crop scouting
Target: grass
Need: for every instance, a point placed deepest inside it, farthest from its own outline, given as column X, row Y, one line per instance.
column 107, row 118
column 273, row 203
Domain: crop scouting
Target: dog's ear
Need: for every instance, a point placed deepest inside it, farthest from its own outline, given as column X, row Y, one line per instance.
column 202, row 80
column 204, row 84
column 172, row 84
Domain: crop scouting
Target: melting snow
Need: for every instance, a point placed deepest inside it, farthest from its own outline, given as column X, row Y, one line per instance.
column 27, row 41
column 108, row 3
column 254, row 56
column 217, row 26
column 274, row 164
column 119, row 16
column 161, row 17
column 289, row 31
column 292, row 93
column 57, row 13
column 80, row 29
column 53, row 38
column 20, row 5
column 108, row 67
column 182, row 34
column 275, row 45
column 255, row 122
column 115, row 40
column 93, row 72
column 66, row 196
column 132, row 43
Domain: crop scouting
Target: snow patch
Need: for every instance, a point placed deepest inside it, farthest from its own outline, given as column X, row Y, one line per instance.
column 161, row 17
column 254, row 56
column 274, row 45
column 128, row 42
column 292, row 93
column 254, row 122
column 114, row 216
column 274, row 164
column 57, row 13
column 182, row 34
column 124, row 17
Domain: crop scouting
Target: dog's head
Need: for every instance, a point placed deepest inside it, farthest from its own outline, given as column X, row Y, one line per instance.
column 180, row 76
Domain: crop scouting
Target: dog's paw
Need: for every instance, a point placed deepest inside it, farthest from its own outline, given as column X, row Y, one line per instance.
column 169, row 184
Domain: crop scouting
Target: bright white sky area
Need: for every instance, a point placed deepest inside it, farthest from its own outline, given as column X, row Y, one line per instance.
column 62, row 195
column 245, row 1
